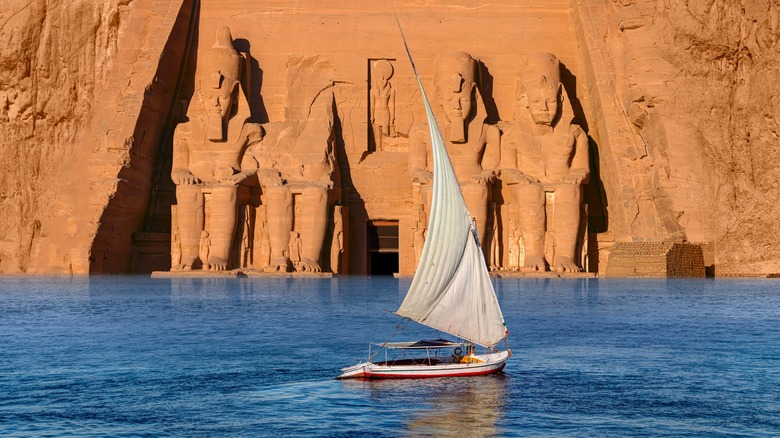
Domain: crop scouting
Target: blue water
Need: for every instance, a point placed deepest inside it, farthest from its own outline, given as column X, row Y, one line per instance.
column 252, row 357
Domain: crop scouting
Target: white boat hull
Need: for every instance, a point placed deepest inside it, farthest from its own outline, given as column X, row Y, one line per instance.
column 490, row 364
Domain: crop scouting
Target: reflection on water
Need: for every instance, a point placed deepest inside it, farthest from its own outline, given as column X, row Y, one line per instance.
column 471, row 406
column 466, row 407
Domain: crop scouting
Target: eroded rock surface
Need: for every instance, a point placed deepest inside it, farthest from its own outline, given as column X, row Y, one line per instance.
column 698, row 82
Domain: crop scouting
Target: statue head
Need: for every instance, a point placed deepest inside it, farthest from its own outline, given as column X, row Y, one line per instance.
column 455, row 89
column 382, row 70
column 218, row 82
column 539, row 87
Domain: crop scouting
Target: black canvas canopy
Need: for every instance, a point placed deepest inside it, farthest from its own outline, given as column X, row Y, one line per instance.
column 436, row 343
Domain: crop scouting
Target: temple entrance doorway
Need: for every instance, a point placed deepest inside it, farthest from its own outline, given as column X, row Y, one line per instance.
column 382, row 247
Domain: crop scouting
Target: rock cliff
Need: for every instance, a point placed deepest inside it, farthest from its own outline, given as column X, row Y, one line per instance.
column 697, row 80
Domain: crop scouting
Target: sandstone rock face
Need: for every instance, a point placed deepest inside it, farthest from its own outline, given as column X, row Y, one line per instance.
column 679, row 101
column 78, row 79
column 54, row 59
column 697, row 81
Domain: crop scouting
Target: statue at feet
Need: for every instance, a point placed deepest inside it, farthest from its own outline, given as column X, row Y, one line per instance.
column 548, row 154
column 209, row 157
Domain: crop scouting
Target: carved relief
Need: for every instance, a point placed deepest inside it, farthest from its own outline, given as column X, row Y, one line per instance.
column 382, row 98
column 546, row 165
column 210, row 166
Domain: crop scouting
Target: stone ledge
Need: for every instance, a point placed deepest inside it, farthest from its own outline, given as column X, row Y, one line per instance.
column 238, row 273
column 748, row 275
column 544, row 274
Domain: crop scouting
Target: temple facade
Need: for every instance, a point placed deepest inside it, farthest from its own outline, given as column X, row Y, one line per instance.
column 290, row 138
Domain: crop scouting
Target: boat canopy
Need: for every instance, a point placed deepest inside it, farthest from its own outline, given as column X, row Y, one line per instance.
column 427, row 344
column 451, row 290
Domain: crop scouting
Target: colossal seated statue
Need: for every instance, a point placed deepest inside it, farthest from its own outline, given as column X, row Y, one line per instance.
column 209, row 159
column 296, row 165
column 473, row 145
column 545, row 154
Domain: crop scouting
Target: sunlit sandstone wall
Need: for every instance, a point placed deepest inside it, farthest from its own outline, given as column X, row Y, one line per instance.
column 680, row 100
column 349, row 33
column 75, row 80
column 54, row 58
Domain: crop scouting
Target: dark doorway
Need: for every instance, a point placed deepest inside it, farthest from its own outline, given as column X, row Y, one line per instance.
column 382, row 247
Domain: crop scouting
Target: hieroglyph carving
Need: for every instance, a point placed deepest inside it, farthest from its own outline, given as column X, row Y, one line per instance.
column 209, row 158
column 473, row 145
column 547, row 160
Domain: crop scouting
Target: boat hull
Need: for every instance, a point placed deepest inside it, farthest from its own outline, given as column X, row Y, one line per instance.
column 491, row 363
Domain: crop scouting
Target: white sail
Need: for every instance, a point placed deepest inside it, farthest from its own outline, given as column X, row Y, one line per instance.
column 451, row 290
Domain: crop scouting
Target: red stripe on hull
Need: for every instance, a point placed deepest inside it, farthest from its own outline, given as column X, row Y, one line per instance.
column 425, row 376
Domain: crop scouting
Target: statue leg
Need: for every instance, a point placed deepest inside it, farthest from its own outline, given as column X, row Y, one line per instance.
column 189, row 212
column 566, row 223
column 279, row 223
column 476, row 195
column 530, row 199
column 313, row 225
column 222, row 225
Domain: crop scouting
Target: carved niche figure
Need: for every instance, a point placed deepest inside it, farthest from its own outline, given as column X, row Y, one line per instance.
column 204, row 247
column 295, row 248
column 175, row 248
column 296, row 167
column 548, row 158
column 420, row 225
column 382, row 102
column 494, row 260
column 209, row 155
column 473, row 145
column 337, row 244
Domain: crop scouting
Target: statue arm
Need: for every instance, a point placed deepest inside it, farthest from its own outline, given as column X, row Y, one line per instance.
column 180, row 173
column 391, row 106
column 580, row 163
column 510, row 167
column 492, row 158
column 249, row 166
column 418, row 158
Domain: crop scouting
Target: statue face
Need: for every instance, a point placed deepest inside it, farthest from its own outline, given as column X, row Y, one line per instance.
column 218, row 93
column 456, row 96
column 542, row 103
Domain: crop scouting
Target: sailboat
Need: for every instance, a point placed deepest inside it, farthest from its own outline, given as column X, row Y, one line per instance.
column 451, row 290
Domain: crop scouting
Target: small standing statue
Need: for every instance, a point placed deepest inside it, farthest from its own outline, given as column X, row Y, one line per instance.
column 382, row 102
column 203, row 249
column 295, row 248
column 419, row 232
column 337, row 245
